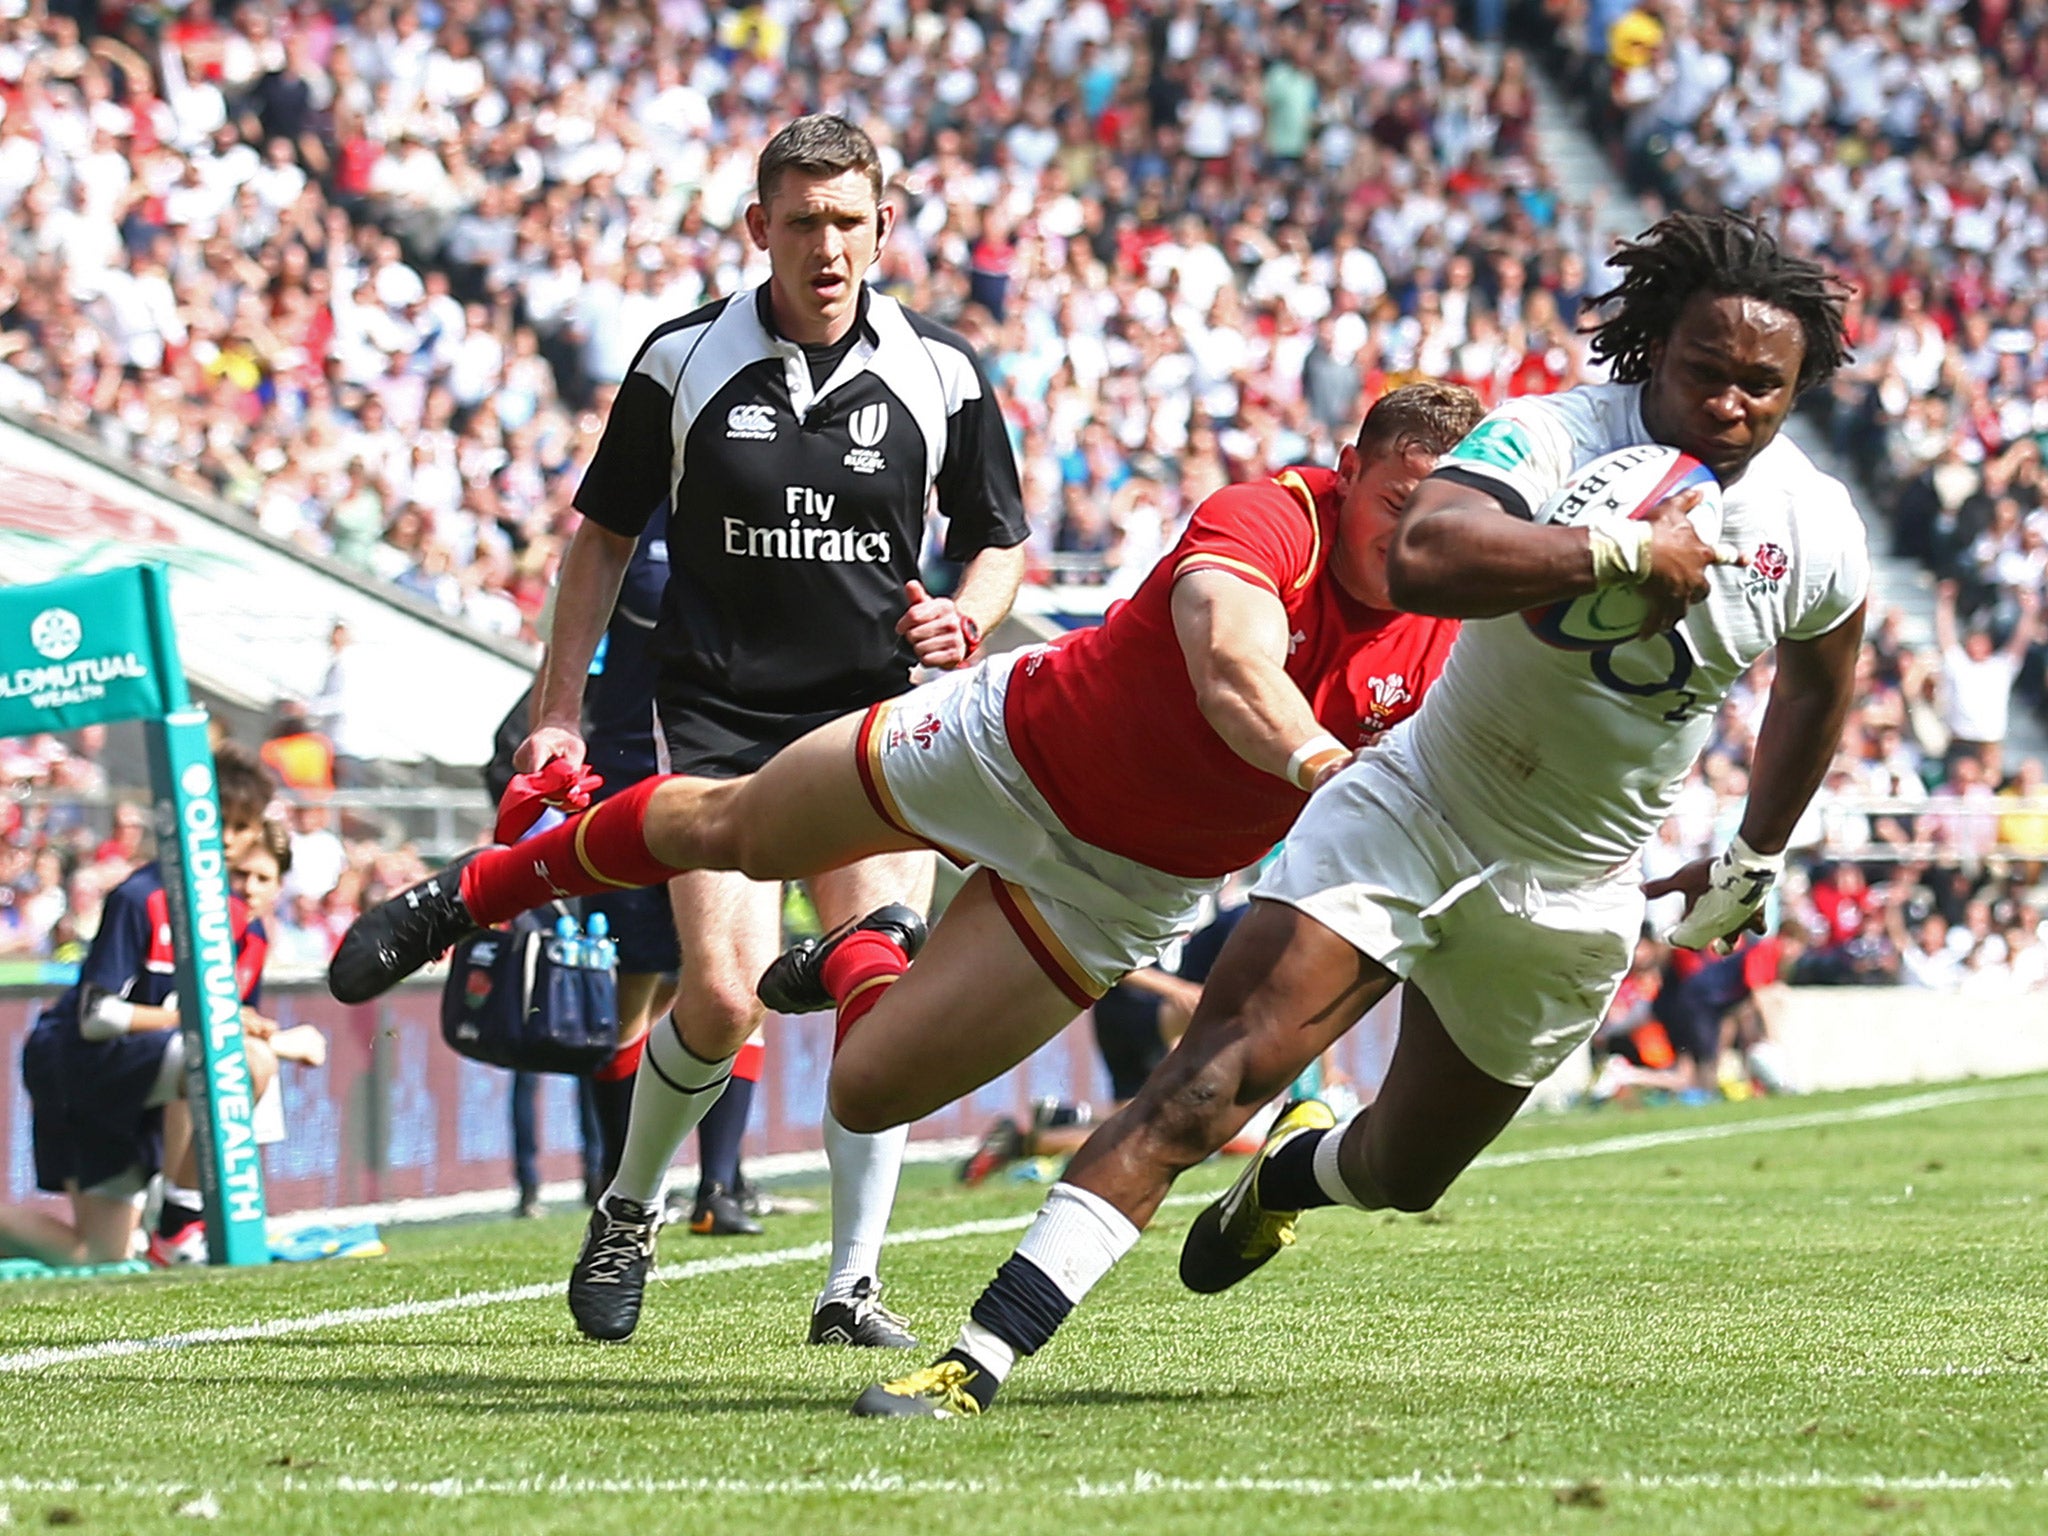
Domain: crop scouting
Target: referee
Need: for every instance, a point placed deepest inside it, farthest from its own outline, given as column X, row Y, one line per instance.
column 799, row 431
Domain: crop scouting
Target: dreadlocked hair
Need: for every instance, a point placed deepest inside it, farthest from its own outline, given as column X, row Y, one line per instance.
column 1721, row 253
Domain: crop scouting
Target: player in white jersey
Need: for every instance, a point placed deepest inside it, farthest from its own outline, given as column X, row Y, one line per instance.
column 1486, row 853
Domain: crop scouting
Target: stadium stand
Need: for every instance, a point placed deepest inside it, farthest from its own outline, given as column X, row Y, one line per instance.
column 1908, row 151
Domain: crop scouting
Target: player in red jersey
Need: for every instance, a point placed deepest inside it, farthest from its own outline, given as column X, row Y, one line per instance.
column 1103, row 784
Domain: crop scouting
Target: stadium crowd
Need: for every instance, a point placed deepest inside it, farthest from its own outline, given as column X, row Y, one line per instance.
column 68, row 836
column 372, row 275
column 1905, row 144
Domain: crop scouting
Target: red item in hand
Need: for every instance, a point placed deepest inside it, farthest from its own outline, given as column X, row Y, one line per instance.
column 555, row 784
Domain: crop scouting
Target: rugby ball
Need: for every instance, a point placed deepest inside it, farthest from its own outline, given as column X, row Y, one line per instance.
column 1629, row 482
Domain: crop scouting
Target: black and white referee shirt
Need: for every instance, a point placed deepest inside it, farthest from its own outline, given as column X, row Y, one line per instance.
column 799, row 501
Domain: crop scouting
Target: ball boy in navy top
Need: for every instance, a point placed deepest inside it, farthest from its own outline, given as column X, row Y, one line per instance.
column 105, row 1060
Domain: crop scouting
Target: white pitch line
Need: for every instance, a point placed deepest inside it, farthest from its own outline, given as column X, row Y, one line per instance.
column 346, row 1317
column 1139, row 1484
column 1885, row 1109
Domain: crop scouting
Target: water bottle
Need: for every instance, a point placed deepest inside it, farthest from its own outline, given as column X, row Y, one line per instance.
column 602, row 954
column 565, row 948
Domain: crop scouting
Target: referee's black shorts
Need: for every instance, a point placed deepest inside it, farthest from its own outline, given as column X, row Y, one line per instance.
column 715, row 737
column 709, row 737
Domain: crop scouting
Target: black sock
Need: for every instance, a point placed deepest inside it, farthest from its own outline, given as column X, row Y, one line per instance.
column 612, row 1098
column 719, row 1133
column 1022, row 1306
column 1287, row 1179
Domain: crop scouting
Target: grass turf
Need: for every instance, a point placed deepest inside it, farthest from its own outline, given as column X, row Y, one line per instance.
column 1804, row 1328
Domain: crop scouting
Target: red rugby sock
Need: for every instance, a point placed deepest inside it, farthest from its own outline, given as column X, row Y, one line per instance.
column 857, row 973
column 752, row 1058
column 500, row 883
column 624, row 1062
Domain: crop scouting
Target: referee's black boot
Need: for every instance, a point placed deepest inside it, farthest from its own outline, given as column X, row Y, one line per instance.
column 396, row 937
column 795, row 983
column 610, row 1276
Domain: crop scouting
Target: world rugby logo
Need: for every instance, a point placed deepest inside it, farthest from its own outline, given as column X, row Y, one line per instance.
column 56, row 633
column 869, row 425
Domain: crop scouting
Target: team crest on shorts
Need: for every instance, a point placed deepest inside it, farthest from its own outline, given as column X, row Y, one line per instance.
column 922, row 734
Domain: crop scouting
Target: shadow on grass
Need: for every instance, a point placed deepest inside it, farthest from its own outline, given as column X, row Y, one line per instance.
column 482, row 1393
column 485, row 1393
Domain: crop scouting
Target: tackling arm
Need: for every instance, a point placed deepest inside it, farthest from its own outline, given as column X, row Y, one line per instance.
column 1234, row 637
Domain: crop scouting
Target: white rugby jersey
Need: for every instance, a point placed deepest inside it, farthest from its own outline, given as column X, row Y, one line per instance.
column 1567, row 760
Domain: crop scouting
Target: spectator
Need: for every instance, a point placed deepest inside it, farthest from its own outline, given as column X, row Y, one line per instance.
column 341, row 708
column 103, row 1067
column 1925, row 956
column 300, row 757
column 1978, row 680
column 318, row 858
column 128, row 844
column 2023, row 830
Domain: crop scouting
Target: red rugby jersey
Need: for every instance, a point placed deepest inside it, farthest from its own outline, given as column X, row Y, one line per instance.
column 1105, row 721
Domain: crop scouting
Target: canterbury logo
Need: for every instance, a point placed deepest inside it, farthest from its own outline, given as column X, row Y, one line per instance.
column 750, row 421
column 869, row 424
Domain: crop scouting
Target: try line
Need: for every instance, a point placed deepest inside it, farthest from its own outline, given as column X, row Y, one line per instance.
column 808, row 1253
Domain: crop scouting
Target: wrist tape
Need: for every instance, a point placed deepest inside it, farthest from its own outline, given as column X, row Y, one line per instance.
column 1621, row 550
column 1311, row 758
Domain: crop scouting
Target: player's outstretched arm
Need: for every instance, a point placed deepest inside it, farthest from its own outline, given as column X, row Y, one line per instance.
column 586, row 591
column 1234, row 636
column 1461, row 554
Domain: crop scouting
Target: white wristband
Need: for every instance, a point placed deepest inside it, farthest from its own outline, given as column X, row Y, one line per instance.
column 1621, row 550
column 1310, row 757
column 1748, row 860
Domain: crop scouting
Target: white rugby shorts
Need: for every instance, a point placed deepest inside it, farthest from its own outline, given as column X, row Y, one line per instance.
column 1519, row 972
column 937, row 766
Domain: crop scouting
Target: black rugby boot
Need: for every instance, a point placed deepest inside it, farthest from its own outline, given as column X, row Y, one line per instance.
column 795, row 982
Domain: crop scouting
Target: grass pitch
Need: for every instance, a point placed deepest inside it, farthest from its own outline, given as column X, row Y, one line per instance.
column 1812, row 1315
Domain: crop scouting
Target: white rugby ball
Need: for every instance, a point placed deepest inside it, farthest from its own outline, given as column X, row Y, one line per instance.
column 1629, row 482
